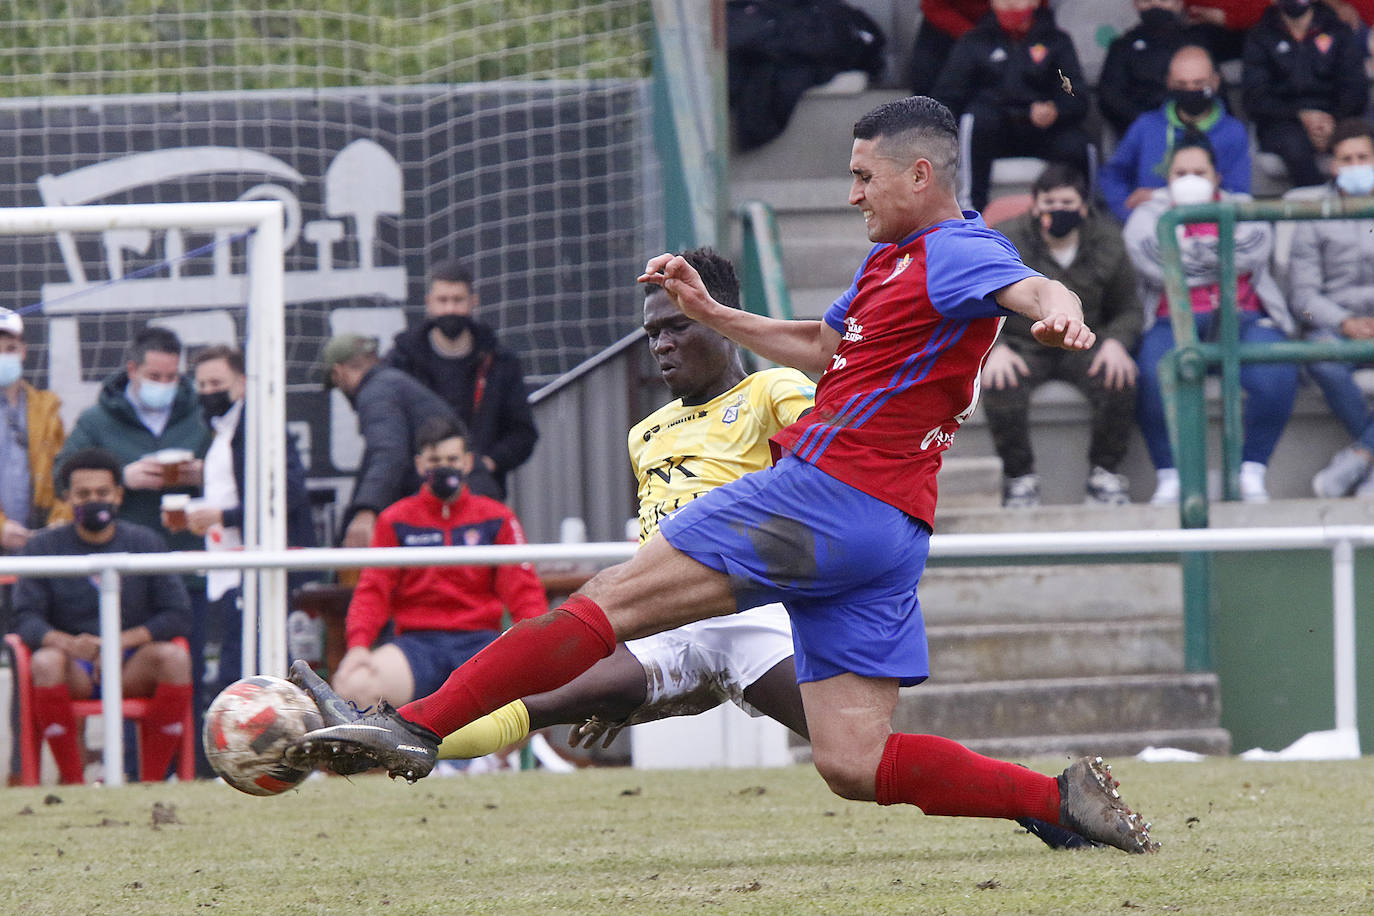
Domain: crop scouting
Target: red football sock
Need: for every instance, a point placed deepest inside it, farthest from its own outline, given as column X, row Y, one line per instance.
column 943, row 777
column 52, row 709
column 161, row 730
column 531, row 657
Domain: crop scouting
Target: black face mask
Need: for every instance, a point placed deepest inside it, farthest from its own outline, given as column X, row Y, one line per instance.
column 1062, row 222
column 444, row 482
column 1192, row 102
column 94, row 517
column 215, row 404
column 1156, row 19
column 452, row 325
column 1295, row 9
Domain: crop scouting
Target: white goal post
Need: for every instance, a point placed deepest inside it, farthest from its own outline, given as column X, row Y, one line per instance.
column 264, row 590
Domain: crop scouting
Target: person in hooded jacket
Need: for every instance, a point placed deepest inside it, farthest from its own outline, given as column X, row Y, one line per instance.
column 459, row 358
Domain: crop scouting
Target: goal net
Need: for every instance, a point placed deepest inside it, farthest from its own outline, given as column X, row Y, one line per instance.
column 512, row 135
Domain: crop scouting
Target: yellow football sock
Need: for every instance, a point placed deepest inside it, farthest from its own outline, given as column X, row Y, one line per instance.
column 487, row 735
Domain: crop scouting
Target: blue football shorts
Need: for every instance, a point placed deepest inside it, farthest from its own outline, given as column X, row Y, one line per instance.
column 843, row 563
column 434, row 654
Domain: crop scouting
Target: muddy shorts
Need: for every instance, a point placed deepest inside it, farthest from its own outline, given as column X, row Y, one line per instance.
column 844, row 564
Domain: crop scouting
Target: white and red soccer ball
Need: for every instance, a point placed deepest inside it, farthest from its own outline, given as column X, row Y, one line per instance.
column 249, row 725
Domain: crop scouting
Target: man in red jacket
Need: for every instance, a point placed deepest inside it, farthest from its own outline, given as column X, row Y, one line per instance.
column 442, row 615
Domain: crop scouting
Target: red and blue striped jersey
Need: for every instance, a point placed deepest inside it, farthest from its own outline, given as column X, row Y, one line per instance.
column 916, row 325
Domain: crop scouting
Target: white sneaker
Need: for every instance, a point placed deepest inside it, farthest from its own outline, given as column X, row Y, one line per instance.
column 1347, row 470
column 1166, row 487
column 1021, row 492
column 1107, row 489
column 1252, row 482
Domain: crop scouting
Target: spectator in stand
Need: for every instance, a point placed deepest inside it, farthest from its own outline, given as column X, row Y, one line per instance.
column 1134, row 76
column 1270, row 388
column 1009, row 72
column 1222, row 24
column 442, row 615
column 31, row 435
column 59, row 620
column 1193, row 107
column 391, row 407
column 459, row 357
column 148, row 407
column 1066, row 240
column 1303, row 71
column 218, row 516
column 1359, row 15
column 1331, row 275
column 943, row 22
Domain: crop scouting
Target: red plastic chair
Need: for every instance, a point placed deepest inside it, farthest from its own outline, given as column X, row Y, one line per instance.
column 135, row 708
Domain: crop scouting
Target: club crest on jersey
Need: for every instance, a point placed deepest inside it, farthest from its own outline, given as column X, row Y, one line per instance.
column 1038, row 52
column 902, row 265
column 1323, row 42
column 853, row 331
column 732, row 409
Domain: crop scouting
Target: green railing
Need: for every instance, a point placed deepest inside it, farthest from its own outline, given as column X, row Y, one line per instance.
column 765, row 290
column 1184, row 369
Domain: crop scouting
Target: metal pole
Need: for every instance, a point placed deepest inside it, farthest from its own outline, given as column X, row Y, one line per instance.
column 1343, row 626
column 111, row 677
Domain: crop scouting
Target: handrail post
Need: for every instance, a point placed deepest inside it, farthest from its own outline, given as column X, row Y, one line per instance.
column 1343, row 630
column 111, row 682
column 1229, row 338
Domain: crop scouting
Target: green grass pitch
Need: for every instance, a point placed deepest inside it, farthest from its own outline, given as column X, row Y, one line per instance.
column 1243, row 838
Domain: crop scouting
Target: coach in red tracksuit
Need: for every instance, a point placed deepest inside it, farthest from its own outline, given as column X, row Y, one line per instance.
column 442, row 615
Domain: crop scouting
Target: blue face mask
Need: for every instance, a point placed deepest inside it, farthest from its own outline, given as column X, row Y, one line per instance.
column 156, row 395
column 11, row 367
column 1356, row 180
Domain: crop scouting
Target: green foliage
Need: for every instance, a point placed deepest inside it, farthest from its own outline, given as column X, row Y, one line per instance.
column 87, row 47
column 1239, row 838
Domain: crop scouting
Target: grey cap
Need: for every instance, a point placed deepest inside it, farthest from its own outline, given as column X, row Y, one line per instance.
column 340, row 349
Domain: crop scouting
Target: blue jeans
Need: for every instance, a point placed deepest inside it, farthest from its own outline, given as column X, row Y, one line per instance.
column 1270, row 389
column 1337, row 382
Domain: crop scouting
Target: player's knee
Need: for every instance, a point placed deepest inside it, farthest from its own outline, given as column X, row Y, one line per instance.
column 173, row 663
column 846, row 776
column 48, row 667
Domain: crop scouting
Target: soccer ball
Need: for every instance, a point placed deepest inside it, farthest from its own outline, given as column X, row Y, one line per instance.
column 249, row 725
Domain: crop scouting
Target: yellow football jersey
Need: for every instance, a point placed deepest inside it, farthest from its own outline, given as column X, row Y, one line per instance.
column 678, row 453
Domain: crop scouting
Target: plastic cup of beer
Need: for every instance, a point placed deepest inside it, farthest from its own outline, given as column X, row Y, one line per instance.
column 174, row 462
column 174, row 508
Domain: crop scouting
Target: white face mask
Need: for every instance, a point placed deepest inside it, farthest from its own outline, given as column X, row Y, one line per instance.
column 1191, row 189
column 11, row 368
column 1356, row 180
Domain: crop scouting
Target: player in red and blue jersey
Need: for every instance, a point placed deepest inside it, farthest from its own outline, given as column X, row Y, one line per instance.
column 838, row 529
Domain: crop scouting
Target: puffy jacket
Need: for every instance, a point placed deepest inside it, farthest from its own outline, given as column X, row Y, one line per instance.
column 1331, row 271
column 43, row 415
column 112, row 424
column 486, row 389
column 1323, row 71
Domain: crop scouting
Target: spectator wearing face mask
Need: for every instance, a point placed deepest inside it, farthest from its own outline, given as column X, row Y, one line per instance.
column 1331, row 275
column 1193, row 106
column 1303, row 71
column 459, row 358
column 1270, row 388
column 441, row 615
column 1065, row 239
column 1134, row 76
column 147, row 409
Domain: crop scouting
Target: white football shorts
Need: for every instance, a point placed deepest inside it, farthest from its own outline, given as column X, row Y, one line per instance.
column 699, row 666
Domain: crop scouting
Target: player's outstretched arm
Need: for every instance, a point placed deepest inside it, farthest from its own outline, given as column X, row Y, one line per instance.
column 1055, row 309
column 805, row 345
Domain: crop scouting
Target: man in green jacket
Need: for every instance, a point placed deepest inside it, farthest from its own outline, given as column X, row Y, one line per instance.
column 1066, row 241
column 146, row 409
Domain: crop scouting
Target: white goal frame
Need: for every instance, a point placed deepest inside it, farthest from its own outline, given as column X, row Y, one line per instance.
column 264, row 590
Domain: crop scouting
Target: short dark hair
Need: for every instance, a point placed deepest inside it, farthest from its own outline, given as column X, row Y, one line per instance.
column 88, row 459
column 1060, row 175
column 717, row 274
column 152, row 339
column 449, row 270
column 926, row 128
column 1349, row 129
column 1192, row 140
column 231, row 355
column 434, row 430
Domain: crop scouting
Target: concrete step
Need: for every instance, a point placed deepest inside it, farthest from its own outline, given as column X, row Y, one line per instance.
column 971, row 482
column 973, row 652
column 817, row 141
column 1053, row 593
column 1061, row 706
column 1121, row 744
column 812, row 303
column 812, row 263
